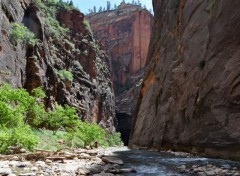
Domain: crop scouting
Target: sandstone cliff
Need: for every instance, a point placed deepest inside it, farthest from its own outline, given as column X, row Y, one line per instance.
column 125, row 35
column 189, row 99
column 57, row 50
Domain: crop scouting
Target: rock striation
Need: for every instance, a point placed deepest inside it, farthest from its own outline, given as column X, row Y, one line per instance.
column 125, row 35
column 189, row 98
column 57, row 49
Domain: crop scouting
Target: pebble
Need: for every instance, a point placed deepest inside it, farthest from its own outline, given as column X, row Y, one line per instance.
column 201, row 174
column 182, row 167
column 210, row 173
column 34, row 169
column 5, row 171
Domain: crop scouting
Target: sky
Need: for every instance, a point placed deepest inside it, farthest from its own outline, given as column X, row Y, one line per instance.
column 84, row 5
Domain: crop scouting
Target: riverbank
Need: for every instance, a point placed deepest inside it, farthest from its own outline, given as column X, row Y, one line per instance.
column 114, row 161
column 66, row 162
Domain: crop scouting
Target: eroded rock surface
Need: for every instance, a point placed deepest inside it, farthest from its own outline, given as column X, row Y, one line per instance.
column 24, row 65
column 125, row 34
column 189, row 99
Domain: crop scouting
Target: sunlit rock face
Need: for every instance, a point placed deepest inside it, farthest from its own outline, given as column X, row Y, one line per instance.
column 24, row 65
column 189, row 99
column 125, row 35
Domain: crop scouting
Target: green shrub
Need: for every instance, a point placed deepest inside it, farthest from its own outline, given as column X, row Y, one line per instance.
column 21, row 136
column 21, row 33
column 114, row 139
column 87, row 25
column 19, row 111
column 89, row 133
column 64, row 74
column 14, row 107
column 62, row 117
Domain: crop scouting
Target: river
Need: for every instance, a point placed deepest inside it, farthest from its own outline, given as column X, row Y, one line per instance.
column 148, row 163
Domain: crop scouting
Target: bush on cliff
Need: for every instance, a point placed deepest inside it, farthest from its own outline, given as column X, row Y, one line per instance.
column 21, row 33
column 64, row 74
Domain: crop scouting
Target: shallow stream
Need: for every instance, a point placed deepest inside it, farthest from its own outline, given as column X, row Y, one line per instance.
column 166, row 164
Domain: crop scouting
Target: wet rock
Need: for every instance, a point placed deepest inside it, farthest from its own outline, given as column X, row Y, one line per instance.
column 182, row 167
column 111, row 159
column 127, row 170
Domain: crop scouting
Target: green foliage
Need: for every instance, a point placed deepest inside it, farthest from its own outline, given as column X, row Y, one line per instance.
column 212, row 5
column 62, row 117
column 21, row 136
column 90, row 133
column 55, row 28
column 64, row 74
column 20, row 111
column 87, row 25
column 14, row 107
column 20, row 33
column 55, row 3
column 114, row 139
column 48, row 141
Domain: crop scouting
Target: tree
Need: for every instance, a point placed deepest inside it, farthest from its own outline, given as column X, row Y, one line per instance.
column 132, row 1
column 61, row 1
column 115, row 6
column 94, row 9
column 100, row 9
column 71, row 3
column 108, row 5
column 123, row 1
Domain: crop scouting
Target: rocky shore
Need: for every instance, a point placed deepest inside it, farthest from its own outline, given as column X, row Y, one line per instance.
column 113, row 161
column 68, row 162
column 209, row 170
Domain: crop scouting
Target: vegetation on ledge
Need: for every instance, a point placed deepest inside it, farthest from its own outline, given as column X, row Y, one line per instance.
column 24, row 121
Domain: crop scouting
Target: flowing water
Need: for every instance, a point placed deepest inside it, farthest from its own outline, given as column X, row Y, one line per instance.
column 148, row 163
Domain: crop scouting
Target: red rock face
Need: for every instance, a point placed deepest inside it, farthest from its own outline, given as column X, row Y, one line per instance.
column 189, row 99
column 125, row 34
column 24, row 65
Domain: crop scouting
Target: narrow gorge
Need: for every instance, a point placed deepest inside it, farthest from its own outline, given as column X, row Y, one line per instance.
column 125, row 35
column 121, row 90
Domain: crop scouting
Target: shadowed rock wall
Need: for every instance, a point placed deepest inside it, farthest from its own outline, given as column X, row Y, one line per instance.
column 189, row 98
column 25, row 65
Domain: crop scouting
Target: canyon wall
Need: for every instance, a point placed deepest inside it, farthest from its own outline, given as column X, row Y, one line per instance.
column 189, row 99
column 57, row 50
column 125, row 34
